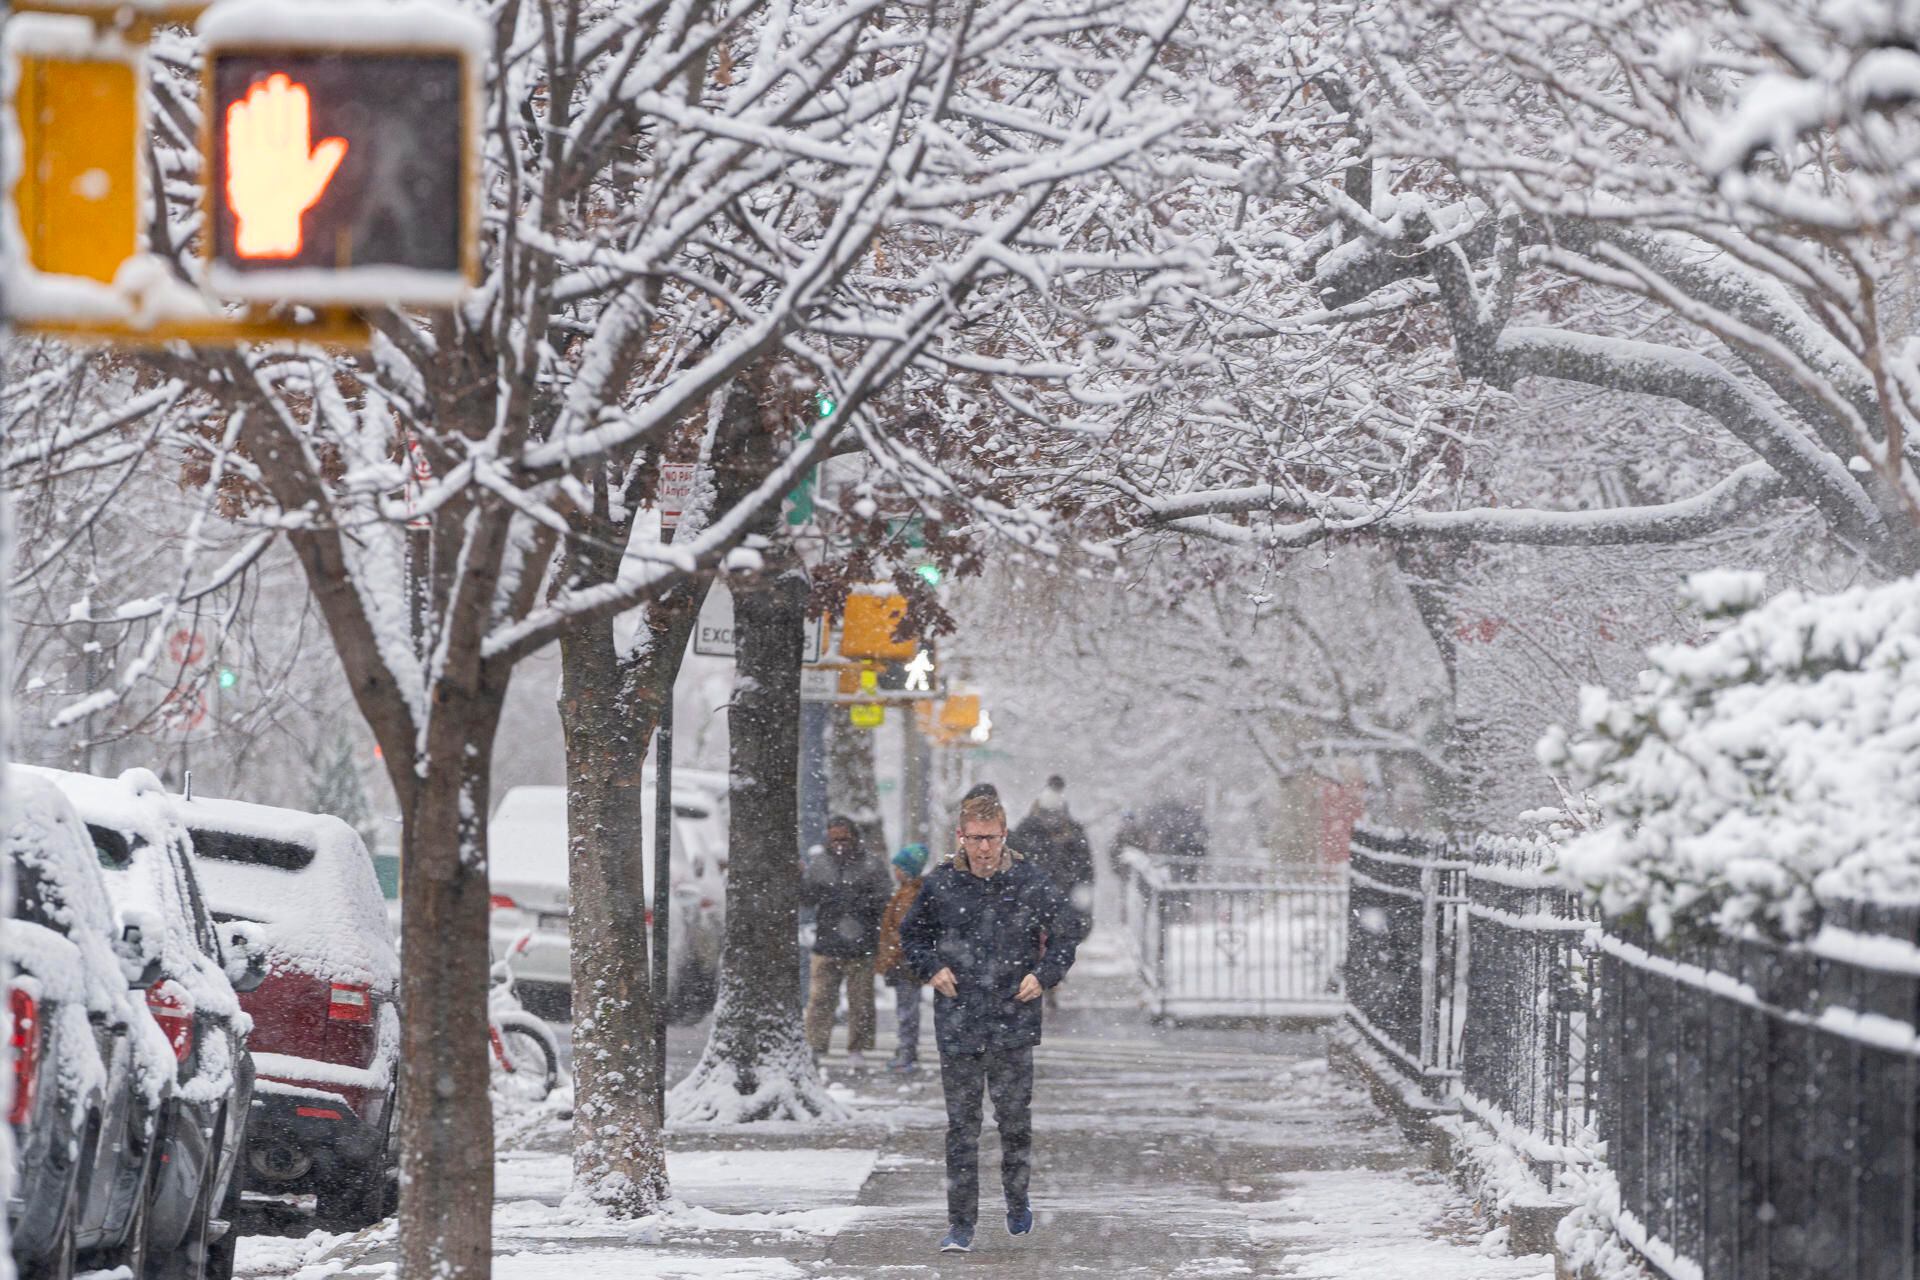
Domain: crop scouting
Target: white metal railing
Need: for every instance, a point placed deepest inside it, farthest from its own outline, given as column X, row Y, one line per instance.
column 1221, row 937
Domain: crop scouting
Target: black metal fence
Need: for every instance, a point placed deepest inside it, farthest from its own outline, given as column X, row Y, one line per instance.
column 1759, row 1101
column 1525, row 1066
column 1216, row 937
column 1756, row 1106
column 1406, row 966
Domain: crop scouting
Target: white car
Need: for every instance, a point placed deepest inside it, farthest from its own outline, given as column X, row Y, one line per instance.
column 527, row 857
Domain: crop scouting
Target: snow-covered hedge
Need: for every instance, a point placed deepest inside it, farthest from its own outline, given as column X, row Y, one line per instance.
column 1751, row 778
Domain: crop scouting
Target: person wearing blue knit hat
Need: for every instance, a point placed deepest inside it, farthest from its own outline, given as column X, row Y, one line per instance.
column 908, row 864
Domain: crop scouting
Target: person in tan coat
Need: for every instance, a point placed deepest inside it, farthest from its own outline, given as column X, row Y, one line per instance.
column 908, row 864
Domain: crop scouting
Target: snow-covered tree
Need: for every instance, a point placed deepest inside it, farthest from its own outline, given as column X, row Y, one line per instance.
column 1752, row 779
column 678, row 200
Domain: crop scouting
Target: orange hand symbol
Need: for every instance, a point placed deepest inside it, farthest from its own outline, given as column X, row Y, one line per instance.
column 272, row 175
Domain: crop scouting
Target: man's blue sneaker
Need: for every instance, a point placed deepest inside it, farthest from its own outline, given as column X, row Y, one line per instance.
column 1019, row 1221
column 957, row 1240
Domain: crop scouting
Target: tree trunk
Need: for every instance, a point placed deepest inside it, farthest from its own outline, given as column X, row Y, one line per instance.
column 756, row 1065
column 1451, row 791
column 610, row 707
column 446, row 1117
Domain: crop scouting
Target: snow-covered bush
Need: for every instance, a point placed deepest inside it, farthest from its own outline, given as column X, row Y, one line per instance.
column 1769, row 770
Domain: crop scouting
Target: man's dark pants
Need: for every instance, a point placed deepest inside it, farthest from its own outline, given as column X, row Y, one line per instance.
column 1008, row 1077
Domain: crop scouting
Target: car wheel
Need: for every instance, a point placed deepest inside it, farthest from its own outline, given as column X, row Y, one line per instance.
column 351, row 1198
column 63, row 1255
column 189, row 1261
column 132, row 1252
column 220, row 1252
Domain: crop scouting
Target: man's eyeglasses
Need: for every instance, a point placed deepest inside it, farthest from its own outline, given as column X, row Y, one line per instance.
column 993, row 839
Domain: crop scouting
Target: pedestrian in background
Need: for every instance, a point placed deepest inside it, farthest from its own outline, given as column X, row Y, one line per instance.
column 890, row 963
column 1053, row 840
column 847, row 889
column 990, row 933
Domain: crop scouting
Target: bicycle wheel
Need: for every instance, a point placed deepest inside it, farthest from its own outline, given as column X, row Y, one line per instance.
column 531, row 1067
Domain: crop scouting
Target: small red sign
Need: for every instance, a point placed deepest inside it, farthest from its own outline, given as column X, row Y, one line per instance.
column 187, row 647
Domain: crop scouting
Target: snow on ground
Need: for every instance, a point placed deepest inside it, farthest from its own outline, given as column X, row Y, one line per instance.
column 1160, row 1153
column 1359, row 1224
column 619, row 1264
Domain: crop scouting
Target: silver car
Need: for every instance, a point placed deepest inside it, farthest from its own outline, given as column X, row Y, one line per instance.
column 527, row 857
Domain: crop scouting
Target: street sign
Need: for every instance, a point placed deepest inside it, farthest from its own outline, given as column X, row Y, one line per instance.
column 186, row 647
column 77, row 101
column 713, row 629
column 342, row 162
column 676, row 491
column 713, row 634
column 819, row 684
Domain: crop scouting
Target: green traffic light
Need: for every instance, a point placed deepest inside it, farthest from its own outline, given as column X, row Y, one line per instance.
column 930, row 574
column 228, row 677
column 824, row 404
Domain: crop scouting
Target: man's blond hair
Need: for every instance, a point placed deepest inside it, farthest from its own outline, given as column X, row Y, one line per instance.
column 982, row 809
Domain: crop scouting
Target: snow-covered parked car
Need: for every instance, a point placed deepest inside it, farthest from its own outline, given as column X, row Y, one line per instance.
column 527, row 877
column 326, row 1023
column 142, row 850
column 91, row 1069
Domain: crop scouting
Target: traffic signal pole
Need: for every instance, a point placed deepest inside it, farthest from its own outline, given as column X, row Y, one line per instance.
column 662, row 892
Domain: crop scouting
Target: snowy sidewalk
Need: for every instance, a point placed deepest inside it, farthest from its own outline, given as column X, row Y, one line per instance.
column 1158, row 1153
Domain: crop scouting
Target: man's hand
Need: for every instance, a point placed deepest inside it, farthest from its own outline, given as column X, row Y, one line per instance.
column 1029, row 989
column 943, row 983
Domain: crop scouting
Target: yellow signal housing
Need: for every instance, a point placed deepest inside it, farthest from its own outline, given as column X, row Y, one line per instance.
column 78, row 197
column 868, row 627
column 960, row 713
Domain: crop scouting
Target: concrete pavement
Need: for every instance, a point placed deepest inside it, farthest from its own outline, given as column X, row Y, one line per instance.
column 1158, row 1153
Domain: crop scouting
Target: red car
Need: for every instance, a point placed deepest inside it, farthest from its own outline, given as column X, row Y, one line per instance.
column 326, row 1025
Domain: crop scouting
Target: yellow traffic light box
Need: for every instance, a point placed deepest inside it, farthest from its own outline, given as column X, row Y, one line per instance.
column 77, row 102
column 867, row 629
column 960, row 713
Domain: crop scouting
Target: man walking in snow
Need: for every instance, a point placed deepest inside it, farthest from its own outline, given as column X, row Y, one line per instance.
column 990, row 933
column 848, row 891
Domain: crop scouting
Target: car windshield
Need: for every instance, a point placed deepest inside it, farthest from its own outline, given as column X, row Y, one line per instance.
column 258, row 851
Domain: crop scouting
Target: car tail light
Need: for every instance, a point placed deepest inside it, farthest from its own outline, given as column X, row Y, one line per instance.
column 26, row 1053
column 318, row 1113
column 175, row 1017
column 350, row 1002
column 501, row 902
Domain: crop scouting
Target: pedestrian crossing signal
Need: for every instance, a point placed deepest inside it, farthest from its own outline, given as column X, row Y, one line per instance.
column 340, row 176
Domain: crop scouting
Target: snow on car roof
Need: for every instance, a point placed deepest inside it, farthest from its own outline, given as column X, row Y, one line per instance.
column 527, row 839
column 136, row 805
column 77, row 969
column 324, row 916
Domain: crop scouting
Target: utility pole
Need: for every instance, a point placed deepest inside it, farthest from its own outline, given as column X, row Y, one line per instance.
column 662, row 889
column 914, row 777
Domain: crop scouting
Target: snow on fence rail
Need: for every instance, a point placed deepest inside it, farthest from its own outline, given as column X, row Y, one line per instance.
column 1736, row 1109
column 1216, row 937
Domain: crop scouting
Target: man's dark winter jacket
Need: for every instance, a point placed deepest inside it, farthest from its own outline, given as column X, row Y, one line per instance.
column 848, row 895
column 990, row 933
column 1058, row 845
